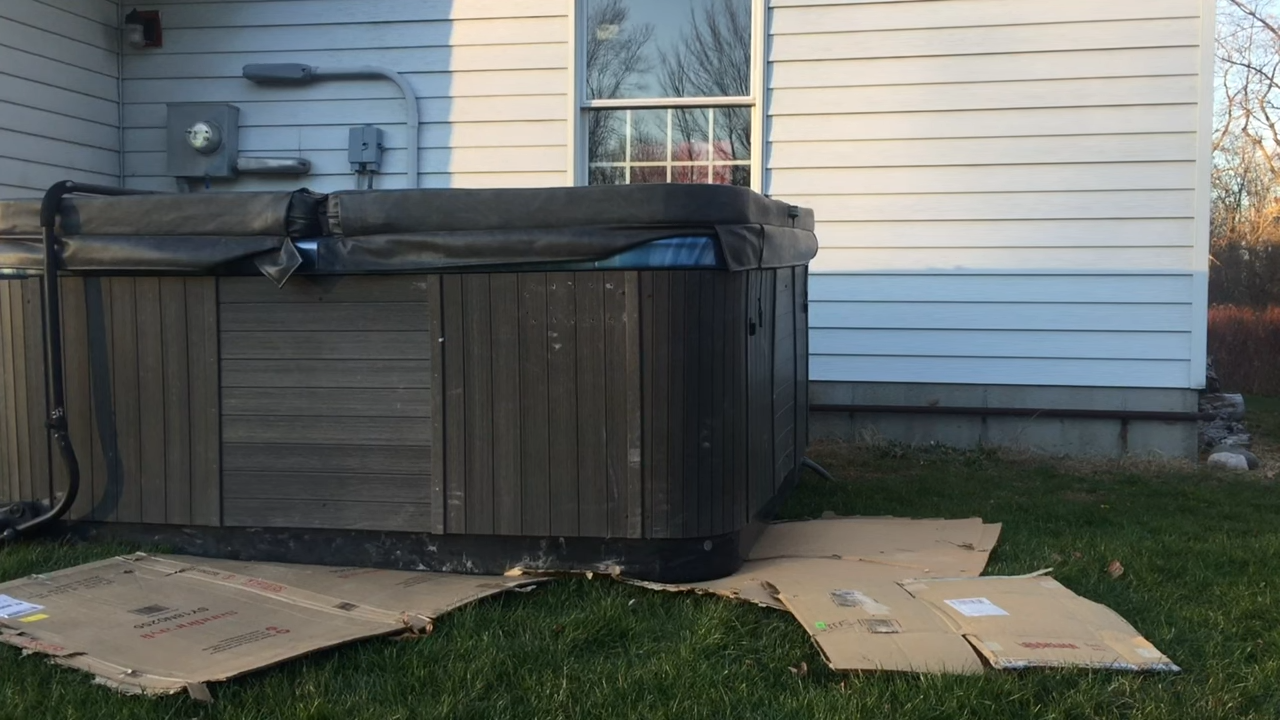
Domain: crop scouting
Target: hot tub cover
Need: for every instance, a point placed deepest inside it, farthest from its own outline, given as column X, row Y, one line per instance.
column 404, row 230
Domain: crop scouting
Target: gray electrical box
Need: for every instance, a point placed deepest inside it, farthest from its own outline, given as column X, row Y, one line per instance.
column 364, row 148
column 202, row 140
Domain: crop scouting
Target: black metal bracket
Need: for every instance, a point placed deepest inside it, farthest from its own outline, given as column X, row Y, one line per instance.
column 26, row 517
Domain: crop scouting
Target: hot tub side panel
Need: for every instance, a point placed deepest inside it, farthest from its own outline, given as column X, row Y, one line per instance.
column 140, row 361
column 655, row 404
column 326, row 402
column 540, row 398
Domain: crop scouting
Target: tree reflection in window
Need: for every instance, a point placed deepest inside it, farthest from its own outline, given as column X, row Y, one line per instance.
column 651, row 50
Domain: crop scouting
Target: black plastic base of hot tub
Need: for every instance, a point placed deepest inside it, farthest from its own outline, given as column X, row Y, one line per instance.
column 682, row 560
column 670, row 561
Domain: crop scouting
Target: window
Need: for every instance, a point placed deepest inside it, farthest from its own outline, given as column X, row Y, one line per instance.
column 668, row 91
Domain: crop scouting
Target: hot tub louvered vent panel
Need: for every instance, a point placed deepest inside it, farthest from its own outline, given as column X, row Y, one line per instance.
column 326, row 402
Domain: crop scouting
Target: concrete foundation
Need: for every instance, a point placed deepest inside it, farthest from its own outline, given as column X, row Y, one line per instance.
column 1055, row 436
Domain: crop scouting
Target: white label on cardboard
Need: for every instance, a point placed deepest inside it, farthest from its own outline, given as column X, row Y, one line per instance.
column 15, row 608
column 1149, row 653
column 854, row 598
column 976, row 607
column 994, row 646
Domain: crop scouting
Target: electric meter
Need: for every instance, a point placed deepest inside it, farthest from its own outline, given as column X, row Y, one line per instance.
column 204, row 137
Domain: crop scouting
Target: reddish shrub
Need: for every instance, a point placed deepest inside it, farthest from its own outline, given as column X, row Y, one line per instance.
column 1244, row 343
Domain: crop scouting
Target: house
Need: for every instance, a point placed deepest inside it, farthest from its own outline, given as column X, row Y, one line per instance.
column 1012, row 195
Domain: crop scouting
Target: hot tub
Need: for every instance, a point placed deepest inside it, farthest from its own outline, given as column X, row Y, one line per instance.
column 602, row 378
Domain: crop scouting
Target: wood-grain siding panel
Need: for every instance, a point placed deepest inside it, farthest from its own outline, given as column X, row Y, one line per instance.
column 562, row 414
column 324, row 486
column 177, row 400
column 337, row 369
column 373, row 374
column 504, row 319
column 330, row 514
column 9, row 445
column 535, row 470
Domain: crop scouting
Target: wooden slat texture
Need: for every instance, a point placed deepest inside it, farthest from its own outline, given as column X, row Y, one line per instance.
column 124, row 378
column 656, row 344
column 323, row 485
column 327, row 402
column 202, row 364
column 338, row 431
column 75, row 365
column 504, row 313
column 614, row 346
column 645, row 287
column 303, row 373
column 562, row 415
column 103, row 446
column 396, row 460
column 324, row 317
column 479, row 403
column 37, row 388
column 676, row 387
column 534, row 430
column 455, row 407
column 21, row 398
column 151, row 399
column 802, row 363
column 177, row 404
column 784, row 370
column 759, row 396
column 736, row 305
column 12, row 467
column 634, row 421
column 320, row 345
column 333, row 375
column 592, row 469
column 718, row 380
column 695, row 336
column 328, row 289
column 708, row 368
column 435, row 325
column 340, row 514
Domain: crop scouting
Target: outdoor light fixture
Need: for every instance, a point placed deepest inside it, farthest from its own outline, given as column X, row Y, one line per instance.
column 142, row 29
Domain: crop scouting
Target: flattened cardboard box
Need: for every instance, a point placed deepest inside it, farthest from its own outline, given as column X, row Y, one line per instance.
column 1034, row 621
column 159, row 624
column 882, row 547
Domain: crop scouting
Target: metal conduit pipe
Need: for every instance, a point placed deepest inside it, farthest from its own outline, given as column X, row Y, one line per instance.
column 1156, row 415
column 299, row 74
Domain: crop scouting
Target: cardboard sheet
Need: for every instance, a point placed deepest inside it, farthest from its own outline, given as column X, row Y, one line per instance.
column 874, row 594
column 162, row 624
column 1023, row 622
column 881, row 547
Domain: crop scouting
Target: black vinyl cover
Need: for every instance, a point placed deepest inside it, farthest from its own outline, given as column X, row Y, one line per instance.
column 404, row 230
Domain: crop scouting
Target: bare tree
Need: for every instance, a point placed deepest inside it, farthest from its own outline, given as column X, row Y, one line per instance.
column 1245, row 225
column 713, row 59
column 617, row 61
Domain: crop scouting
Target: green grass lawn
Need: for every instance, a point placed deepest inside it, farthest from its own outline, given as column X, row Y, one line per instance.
column 1202, row 559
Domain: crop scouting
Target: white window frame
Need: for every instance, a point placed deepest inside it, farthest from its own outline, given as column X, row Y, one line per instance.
column 579, row 105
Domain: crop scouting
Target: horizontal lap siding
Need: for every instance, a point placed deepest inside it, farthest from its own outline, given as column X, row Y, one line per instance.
column 326, row 404
column 59, row 99
column 1005, row 189
column 491, row 78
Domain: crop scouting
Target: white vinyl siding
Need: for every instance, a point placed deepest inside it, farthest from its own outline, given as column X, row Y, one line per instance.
column 59, row 102
column 491, row 76
column 1007, row 191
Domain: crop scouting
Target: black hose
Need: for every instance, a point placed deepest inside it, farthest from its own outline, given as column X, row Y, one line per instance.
column 57, row 422
column 822, row 472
